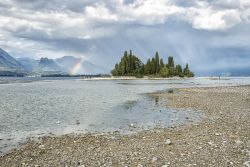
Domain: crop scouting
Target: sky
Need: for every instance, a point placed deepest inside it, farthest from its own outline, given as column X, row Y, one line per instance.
column 209, row 35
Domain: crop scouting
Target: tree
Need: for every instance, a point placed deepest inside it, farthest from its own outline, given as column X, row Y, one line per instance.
column 178, row 70
column 129, row 65
column 170, row 61
column 153, row 66
column 164, row 72
column 161, row 64
column 147, row 68
column 171, row 71
column 157, row 63
column 115, row 71
column 187, row 72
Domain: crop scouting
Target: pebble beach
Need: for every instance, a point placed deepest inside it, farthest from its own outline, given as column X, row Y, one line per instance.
column 221, row 139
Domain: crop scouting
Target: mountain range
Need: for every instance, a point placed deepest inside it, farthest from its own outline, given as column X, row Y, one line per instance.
column 8, row 63
column 10, row 66
column 64, row 65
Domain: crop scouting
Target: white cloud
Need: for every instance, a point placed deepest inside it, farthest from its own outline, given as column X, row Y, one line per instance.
column 100, row 12
column 60, row 27
column 214, row 20
column 150, row 11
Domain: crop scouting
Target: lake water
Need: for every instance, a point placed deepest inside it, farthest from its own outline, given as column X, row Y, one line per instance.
column 32, row 107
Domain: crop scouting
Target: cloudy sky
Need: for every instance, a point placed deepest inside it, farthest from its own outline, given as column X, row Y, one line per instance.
column 210, row 35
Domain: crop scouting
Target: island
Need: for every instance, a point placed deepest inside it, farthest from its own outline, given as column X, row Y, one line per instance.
column 131, row 65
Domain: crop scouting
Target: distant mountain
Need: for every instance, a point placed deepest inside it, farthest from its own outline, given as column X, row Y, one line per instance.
column 28, row 64
column 64, row 65
column 74, row 65
column 46, row 64
column 243, row 71
column 230, row 71
column 8, row 63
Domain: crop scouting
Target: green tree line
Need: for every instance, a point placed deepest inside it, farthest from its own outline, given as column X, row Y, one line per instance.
column 130, row 65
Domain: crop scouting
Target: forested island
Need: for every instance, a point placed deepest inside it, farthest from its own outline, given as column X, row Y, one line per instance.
column 131, row 65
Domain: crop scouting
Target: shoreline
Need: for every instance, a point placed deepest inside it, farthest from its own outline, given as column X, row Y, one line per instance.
column 159, row 78
column 222, row 139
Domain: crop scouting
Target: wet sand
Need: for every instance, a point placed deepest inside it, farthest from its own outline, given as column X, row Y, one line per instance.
column 222, row 139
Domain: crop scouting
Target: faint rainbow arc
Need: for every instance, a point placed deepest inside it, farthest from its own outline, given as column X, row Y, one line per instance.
column 75, row 69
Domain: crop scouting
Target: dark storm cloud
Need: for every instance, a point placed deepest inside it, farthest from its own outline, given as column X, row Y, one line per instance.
column 208, row 34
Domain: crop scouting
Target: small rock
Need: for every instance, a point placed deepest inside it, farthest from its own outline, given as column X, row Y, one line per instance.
column 132, row 125
column 173, row 127
column 41, row 146
column 238, row 142
column 58, row 122
column 170, row 91
column 154, row 159
column 139, row 165
column 79, row 163
column 217, row 134
column 77, row 122
column 166, row 165
column 168, row 142
column 247, row 163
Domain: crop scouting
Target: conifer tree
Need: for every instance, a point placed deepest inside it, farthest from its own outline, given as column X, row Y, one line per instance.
column 178, row 70
column 153, row 66
column 170, row 61
column 147, row 68
column 161, row 64
column 157, row 63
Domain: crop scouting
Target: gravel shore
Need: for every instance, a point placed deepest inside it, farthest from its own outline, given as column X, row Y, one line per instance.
column 222, row 139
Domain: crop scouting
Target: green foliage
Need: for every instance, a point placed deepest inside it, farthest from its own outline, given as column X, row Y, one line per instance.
column 178, row 71
column 170, row 61
column 161, row 64
column 147, row 68
column 164, row 72
column 130, row 65
column 171, row 71
column 187, row 72
column 157, row 63
column 153, row 66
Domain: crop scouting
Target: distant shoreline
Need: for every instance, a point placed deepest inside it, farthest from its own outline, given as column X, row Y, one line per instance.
column 158, row 78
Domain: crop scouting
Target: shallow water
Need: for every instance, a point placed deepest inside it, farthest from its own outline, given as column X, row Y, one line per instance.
column 32, row 107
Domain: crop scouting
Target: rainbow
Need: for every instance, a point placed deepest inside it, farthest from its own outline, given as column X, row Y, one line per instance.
column 77, row 67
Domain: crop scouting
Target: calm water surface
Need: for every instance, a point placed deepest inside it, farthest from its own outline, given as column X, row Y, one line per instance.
column 32, row 107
